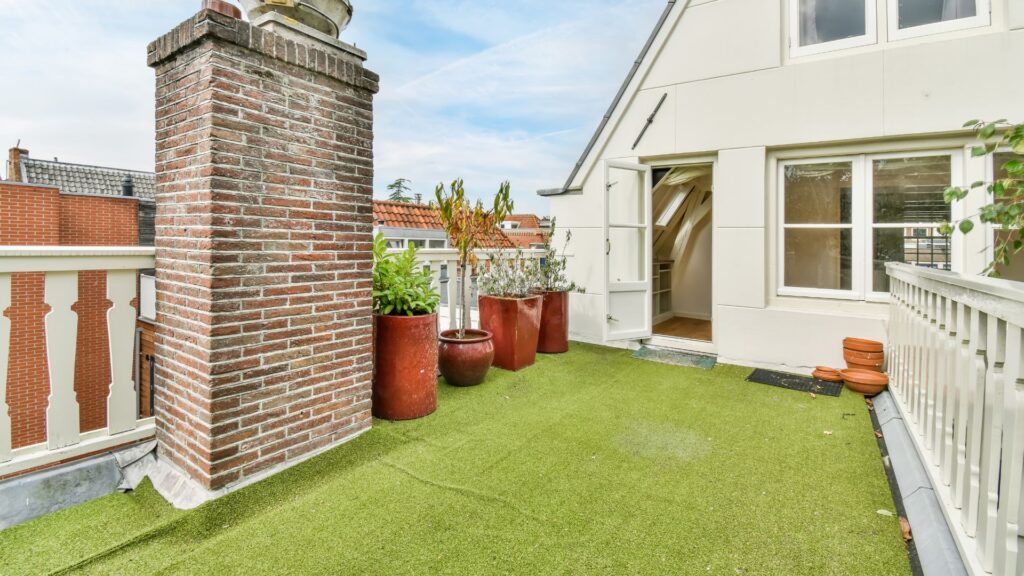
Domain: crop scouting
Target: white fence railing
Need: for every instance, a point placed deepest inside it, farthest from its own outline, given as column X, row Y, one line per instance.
column 443, row 266
column 60, row 266
column 955, row 360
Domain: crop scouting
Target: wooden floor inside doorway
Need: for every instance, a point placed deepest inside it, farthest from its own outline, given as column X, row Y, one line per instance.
column 688, row 328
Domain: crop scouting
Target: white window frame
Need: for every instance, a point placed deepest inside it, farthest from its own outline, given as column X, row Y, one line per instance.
column 855, row 293
column 870, row 33
column 982, row 18
column 862, row 223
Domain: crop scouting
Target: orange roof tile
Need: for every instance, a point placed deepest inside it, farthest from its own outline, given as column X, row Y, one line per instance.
column 424, row 217
column 524, row 220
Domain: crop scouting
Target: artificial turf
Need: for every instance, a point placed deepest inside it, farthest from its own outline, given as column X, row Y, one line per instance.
column 591, row 462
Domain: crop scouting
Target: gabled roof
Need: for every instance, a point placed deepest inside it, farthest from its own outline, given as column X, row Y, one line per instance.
column 423, row 217
column 615, row 103
column 84, row 179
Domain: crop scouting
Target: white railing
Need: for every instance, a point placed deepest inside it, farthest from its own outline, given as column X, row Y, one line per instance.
column 443, row 266
column 61, row 265
column 956, row 362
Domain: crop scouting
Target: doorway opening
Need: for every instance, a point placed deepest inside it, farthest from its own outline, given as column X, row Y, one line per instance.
column 682, row 280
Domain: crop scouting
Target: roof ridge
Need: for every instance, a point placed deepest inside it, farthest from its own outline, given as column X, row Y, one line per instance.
column 109, row 168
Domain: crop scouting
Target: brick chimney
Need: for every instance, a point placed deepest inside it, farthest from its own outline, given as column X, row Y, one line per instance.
column 14, row 157
column 264, row 248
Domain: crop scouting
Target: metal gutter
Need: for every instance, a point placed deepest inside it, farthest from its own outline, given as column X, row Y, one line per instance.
column 615, row 103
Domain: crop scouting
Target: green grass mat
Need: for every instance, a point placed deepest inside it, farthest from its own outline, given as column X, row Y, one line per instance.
column 590, row 462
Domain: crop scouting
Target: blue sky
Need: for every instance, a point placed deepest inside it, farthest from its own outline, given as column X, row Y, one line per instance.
column 486, row 90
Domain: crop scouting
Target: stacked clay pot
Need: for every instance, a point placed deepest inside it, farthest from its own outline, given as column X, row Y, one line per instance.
column 864, row 360
column 863, row 354
column 866, row 382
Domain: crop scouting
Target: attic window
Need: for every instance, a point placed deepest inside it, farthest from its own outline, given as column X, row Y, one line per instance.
column 818, row 26
column 910, row 18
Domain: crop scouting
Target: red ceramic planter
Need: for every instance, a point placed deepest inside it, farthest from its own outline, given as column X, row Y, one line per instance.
column 405, row 367
column 554, row 323
column 515, row 324
column 465, row 361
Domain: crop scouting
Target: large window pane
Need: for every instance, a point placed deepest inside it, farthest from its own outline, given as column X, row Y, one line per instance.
column 830, row 20
column 819, row 258
column 918, row 246
column 910, row 190
column 920, row 12
column 819, row 193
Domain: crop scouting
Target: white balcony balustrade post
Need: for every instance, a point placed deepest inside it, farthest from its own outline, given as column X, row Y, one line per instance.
column 5, row 351
column 62, row 423
column 1012, row 457
column 122, row 402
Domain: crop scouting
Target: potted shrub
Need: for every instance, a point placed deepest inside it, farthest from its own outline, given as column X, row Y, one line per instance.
column 510, row 312
column 465, row 354
column 405, row 335
column 550, row 282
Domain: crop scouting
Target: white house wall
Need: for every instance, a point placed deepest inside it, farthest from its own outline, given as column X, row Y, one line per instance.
column 719, row 38
column 732, row 92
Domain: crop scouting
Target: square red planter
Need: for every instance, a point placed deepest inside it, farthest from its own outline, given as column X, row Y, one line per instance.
column 515, row 325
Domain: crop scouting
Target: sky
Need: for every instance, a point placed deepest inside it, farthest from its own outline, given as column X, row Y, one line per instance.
column 485, row 90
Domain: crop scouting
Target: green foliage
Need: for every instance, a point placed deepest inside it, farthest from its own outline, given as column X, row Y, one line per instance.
column 509, row 277
column 468, row 224
column 400, row 190
column 550, row 274
column 1006, row 209
column 400, row 286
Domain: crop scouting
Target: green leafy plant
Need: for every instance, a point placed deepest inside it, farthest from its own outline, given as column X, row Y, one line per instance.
column 1006, row 209
column 399, row 190
column 550, row 272
column 400, row 286
column 468, row 224
column 508, row 277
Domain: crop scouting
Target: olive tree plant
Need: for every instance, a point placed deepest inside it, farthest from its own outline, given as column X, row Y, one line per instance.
column 468, row 224
column 1005, row 209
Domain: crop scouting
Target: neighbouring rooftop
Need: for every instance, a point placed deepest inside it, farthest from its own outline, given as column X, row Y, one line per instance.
column 85, row 179
column 591, row 462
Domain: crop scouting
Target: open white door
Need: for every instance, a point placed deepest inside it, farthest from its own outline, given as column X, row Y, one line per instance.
column 628, row 262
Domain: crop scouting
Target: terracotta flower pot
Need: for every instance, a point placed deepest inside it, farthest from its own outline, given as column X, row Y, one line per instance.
column 404, row 366
column 865, row 382
column 848, row 353
column 465, row 361
column 515, row 324
column 861, row 345
column 827, row 374
column 554, row 322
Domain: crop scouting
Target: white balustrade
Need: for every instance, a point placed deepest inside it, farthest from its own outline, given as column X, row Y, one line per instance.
column 956, row 365
column 60, row 266
column 448, row 286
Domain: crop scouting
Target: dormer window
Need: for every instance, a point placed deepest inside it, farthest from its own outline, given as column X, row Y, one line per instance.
column 910, row 18
column 824, row 25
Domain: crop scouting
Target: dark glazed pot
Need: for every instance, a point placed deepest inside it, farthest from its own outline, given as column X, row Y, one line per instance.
column 554, row 323
column 465, row 361
column 404, row 367
column 515, row 323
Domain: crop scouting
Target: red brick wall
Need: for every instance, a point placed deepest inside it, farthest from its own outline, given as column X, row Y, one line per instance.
column 40, row 216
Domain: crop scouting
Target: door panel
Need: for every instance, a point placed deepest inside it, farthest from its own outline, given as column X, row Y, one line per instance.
column 628, row 260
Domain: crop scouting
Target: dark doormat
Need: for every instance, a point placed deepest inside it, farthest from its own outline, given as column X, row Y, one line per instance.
column 675, row 358
column 795, row 382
